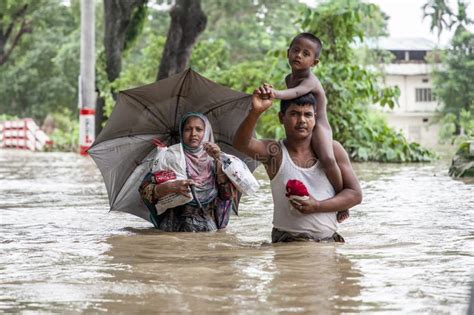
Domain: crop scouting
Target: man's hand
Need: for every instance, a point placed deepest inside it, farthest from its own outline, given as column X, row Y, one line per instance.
column 306, row 206
column 266, row 91
column 213, row 150
column 259, row 103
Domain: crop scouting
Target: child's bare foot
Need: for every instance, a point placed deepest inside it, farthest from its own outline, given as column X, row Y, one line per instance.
column 342, row 216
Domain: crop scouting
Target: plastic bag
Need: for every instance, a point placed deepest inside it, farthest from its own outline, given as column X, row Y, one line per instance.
column 170, row 165
column 239, row 174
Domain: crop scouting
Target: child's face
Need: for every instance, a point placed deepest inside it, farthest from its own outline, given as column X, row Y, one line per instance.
column 302, row 54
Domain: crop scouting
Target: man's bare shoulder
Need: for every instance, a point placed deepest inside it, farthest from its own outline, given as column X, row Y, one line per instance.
column 273, row 147
column 339, row 151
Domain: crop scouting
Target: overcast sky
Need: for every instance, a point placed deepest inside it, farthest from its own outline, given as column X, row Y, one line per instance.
column 406, row 18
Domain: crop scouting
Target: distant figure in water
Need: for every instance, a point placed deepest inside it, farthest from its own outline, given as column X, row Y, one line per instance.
column 305, row 203
column 215, row 193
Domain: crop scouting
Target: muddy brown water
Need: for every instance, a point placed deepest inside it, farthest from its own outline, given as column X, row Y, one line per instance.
column 409, row 249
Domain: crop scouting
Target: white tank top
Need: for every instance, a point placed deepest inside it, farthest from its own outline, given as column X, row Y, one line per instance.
column 320, row 225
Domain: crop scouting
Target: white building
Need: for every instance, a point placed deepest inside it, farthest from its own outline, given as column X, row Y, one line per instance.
column 411, row 73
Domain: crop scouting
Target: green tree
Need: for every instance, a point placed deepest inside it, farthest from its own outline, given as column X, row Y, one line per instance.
column 230, row 50
column 439, row 13
column 461, row 18
column 453, row 81
column 14, row 24
column 123, row 22
column 351, row 88
column 40, row 76
column 443, row 17
column 188, row 21
column 251, row 28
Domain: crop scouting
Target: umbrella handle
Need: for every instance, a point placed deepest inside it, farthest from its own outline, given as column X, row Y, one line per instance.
column 193, row 192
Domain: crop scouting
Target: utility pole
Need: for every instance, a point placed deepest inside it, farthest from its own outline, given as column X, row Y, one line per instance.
column 87, row 96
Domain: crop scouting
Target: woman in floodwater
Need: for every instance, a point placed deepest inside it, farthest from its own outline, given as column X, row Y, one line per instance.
column 215, row 194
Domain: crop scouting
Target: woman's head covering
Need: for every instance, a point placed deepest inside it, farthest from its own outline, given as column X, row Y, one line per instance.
column 199, row 165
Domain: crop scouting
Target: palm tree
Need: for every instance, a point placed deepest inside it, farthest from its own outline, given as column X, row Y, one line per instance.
column 440, row 14
column 461, row 18
column 443, row 18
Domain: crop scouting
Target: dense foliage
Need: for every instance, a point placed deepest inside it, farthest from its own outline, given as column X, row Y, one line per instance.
column 40, row 76
column 351, row 88
column 453, row 80
column 453, row 86
column 243, row 46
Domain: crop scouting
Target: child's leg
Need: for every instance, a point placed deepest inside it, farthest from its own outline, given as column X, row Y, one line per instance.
column 342, row 215
column 321, row 143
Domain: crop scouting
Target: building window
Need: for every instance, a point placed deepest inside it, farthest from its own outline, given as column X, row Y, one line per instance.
column 417, row 55
column 399, row 54
column 425, row 80
column 424, row 95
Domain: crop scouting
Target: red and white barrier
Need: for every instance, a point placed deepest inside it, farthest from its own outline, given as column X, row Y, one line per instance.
column 23, row 134
column 86, row 129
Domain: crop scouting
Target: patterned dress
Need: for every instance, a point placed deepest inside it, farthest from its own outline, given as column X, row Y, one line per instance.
column 189, row 218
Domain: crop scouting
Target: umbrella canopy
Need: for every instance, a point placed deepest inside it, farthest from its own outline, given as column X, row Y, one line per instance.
column 124, row 150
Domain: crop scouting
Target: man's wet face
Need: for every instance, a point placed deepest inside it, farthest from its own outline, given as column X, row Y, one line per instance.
column 299, row 120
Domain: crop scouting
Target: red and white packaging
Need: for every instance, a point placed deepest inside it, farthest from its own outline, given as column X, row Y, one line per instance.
column 170, row 165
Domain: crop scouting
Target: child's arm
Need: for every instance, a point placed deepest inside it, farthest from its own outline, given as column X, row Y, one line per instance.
column 310, row 84
column 306, row 86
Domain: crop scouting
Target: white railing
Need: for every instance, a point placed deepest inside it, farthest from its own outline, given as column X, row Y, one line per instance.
column 23, row 134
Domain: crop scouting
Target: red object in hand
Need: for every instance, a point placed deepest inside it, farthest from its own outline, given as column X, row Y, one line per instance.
column 158, row 143
column 296, row 188
column 164, row 176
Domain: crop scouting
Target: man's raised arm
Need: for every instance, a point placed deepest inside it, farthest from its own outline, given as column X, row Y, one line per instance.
column 243, row 140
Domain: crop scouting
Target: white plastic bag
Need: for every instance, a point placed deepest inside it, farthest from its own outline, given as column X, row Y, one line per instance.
column 170, row 165
column 239, row 174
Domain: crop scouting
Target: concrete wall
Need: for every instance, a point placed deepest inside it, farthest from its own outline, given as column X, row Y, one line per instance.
column 417, row 128
column 414, row 119
column 407, row 86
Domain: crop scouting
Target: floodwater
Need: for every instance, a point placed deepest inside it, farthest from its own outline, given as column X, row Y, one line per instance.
column 409, row 249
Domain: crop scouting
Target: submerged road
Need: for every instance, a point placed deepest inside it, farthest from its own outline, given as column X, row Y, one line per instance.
column 410, row 248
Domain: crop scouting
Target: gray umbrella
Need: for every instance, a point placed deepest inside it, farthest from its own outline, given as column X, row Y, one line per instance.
column 124, row 150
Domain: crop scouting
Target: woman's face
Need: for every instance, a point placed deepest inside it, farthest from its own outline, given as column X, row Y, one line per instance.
column 193, row 131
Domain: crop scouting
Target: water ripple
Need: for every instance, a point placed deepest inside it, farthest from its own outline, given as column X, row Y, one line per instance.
column 409, row 248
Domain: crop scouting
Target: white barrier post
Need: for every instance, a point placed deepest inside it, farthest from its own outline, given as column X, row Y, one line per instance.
column 86, row 129
column 2, row 142
column 87, row 77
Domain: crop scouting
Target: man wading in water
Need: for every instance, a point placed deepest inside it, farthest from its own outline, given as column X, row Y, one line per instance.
column 310, row 217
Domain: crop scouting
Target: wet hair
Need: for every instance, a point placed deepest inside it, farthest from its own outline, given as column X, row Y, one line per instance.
column 307, row 99
column 312, row 38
